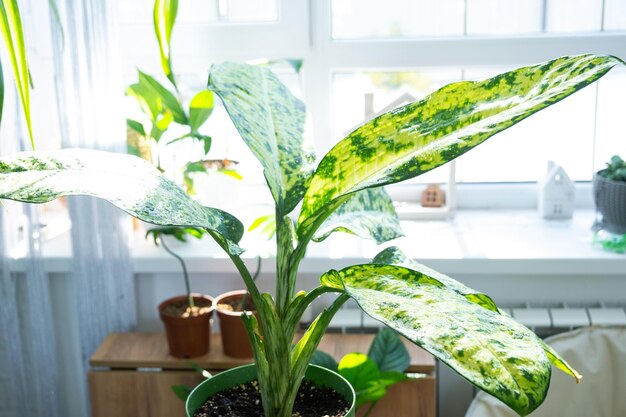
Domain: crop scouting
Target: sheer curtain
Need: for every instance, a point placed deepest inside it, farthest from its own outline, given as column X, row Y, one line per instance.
column 99, row 292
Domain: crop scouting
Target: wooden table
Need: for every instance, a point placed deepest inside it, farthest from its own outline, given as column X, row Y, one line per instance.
column 131, row 375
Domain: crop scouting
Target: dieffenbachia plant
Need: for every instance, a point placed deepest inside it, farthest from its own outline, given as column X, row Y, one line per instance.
column 458, row 325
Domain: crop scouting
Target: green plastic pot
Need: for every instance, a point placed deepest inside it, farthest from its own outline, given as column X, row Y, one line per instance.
column 233, row 377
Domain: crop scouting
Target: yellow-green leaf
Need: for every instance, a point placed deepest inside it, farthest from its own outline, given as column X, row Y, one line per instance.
column 421, row 136
column 490, row 350
column 13, row 34
column 200, row 109
column 128, row 182
column 167, row 99
column 271, row 122
column 164, row 16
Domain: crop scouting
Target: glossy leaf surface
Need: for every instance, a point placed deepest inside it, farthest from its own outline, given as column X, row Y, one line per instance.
column 13, row 34
column 394, row 256
column 490, row 350
column 388, row 352
column 164, row 15
column 128, row 182
column 368, row 214
column 421, row 136
column 200, row 109
column 271, row 122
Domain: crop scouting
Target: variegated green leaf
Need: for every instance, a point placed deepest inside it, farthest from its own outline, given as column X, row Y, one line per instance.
column 164, row 16
column 394, row 256
column 13, row 34
column 128, row 182
column 490, row 350
column 421, row 136
column 271, row 122
column 368, row 214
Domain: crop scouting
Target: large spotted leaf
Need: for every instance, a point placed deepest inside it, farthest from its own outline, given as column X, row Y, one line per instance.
column 368, row 214
column 128, row 182
column 421, row 136
column 271, row 122
column 394, row 256
column 490, row 350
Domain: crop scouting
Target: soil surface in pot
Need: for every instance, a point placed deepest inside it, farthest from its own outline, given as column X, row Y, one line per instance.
column 236, row 305
column 182, row 309
column 245, row 401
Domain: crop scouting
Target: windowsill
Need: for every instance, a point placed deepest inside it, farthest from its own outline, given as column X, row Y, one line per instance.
column 474, row 242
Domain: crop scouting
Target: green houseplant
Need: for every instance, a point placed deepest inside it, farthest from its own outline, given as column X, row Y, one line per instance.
column 461, row 327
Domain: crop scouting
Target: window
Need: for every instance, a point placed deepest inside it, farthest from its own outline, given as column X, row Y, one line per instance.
column 386, row 50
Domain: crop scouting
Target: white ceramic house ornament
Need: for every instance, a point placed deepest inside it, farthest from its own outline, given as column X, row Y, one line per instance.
column 556, row 194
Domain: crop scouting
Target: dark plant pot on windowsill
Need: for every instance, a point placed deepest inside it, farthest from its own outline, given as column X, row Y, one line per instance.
column 243, row 374
column 610, row 200
column 187, row 337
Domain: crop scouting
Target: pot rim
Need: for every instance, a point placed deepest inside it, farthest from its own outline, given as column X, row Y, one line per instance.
column 228, row 294
column 196, row 296
column 352, row 401
column 598, row 177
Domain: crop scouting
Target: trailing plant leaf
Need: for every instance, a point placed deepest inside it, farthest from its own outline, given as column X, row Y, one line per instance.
column 164, row 16
column 167, row 99
column 128, row 182
column 324, row 359
column 13, row 34
column 421, row 136
column 368, row 214
column 179, row 233
column 271, row 122
column 490, row 350
column 394, row 256
column 388, row 352
column 369, row 383
column 200, row 108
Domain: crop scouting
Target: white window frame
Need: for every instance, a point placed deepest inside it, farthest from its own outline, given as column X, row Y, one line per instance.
column 304, row 30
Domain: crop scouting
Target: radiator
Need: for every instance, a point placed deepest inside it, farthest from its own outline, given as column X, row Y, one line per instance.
column 543, row 320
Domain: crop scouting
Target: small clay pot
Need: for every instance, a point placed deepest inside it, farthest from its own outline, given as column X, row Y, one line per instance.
column 188, row 337
column 234, row 337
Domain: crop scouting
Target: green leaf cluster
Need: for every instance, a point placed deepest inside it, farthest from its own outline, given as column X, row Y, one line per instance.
column 372, row 374
column 460, row 326
column 615, row 169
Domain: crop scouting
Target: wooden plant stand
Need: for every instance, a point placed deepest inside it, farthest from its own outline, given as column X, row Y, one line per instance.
column 131, row 375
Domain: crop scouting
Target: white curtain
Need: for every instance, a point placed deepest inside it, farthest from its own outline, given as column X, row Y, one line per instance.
column 88, row 94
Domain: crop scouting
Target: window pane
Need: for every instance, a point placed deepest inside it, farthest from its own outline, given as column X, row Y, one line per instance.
column 396, row 18
column 386, row 90
column 610, row 135
column 573, row 15
column 202, row 11
column 563, row 132
column 615, row 15
column 489, row 17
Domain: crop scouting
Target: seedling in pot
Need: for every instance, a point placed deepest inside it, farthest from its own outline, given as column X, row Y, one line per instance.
column 461, row 327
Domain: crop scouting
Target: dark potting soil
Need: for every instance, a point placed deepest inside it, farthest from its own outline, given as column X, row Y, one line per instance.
column 245, row 401
column 182, row 309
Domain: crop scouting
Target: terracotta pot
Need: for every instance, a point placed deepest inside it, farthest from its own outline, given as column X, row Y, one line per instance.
column 187, row 337
column 234, row 337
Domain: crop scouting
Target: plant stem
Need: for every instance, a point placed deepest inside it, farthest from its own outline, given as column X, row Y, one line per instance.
column 244, row 299
column 285, row 283
column 185, row 274
column 369, row 410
